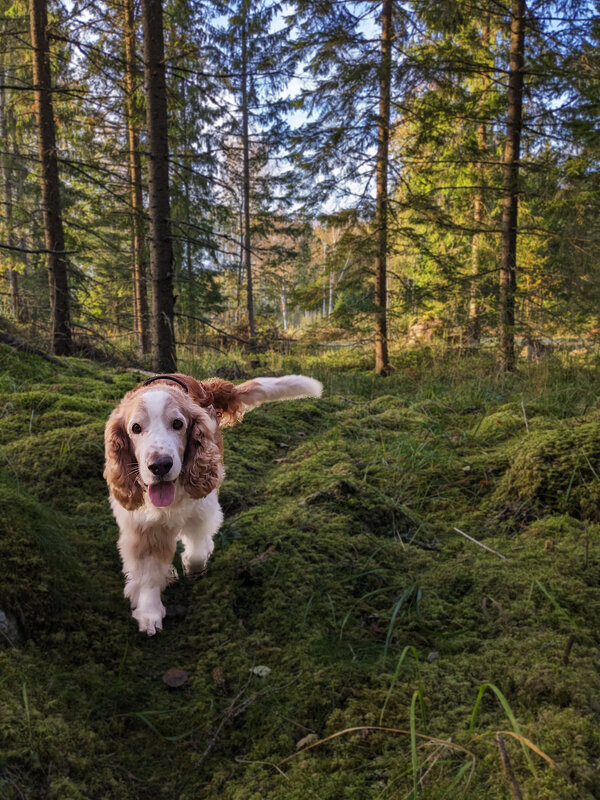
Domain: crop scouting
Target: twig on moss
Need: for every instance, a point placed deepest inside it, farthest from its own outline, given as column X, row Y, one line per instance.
column 366, row 728
column 235, row 709
column 514, row 786
column 485, row 547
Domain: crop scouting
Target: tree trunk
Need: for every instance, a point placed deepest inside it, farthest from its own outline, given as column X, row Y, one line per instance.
column 382, row 366
column 284, row 301
column 324, row 311
column 246, row 183
column 51, row 209
column 510, row 187
column 161, row 250
column 331, row 288
column 240, row 269
column 7, row 136
column 190, row 303
column 138, row 252
column 474, row 321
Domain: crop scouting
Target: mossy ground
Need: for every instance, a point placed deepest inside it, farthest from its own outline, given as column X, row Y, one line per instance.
column 338, row 568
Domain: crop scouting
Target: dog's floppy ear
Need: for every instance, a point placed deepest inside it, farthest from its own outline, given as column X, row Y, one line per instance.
column 121, row 468
column 231, row 402
column 202, row 465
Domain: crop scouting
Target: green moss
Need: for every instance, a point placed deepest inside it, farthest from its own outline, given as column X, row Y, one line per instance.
column 322, row 573
column 555, row 470
column 59, row 464
column 504, row 422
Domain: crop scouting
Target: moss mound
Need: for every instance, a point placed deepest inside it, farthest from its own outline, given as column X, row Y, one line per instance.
column 340, row 601
column 555, row 470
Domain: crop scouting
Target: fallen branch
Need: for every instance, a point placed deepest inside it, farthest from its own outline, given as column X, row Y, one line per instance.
column 6, row 338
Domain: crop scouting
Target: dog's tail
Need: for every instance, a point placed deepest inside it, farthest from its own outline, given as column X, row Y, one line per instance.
column 233, row 402
column 264, row 390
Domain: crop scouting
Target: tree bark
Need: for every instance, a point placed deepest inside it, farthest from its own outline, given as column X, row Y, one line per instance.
column 138, row 251
column 382, row 365
column 284, row 300
column 51, row 208
column 190, row 294
column 246, row 182
column 7, row 136
column 510, row 187
column 474, row 321
column 240, row 269
column 161, row 250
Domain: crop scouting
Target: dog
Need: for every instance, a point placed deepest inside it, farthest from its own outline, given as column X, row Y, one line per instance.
column 164, row 466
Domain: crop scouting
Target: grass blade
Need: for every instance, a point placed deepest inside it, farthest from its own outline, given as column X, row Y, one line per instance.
column 555, row 603
column 509, row 713
column 408, row 649
column 413, row 746
column 402, row 599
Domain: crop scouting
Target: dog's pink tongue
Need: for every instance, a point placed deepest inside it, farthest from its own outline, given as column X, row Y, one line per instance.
column 161, row 494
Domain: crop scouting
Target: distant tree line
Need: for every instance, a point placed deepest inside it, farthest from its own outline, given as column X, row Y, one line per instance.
column 317, row 169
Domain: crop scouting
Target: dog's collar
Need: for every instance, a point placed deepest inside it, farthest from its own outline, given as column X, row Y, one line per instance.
column 166, row 378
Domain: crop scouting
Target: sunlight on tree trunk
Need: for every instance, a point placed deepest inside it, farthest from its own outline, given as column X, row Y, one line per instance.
column 48, row 161
column 474, row 313
column 510, row 187
column 246, row 182
column 138, row 259
column 382, row 366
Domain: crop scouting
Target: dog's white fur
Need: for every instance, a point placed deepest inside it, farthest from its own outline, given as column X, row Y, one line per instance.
column 139, row 433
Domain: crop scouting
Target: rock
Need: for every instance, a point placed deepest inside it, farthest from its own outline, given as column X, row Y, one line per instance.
column 261, row 670
column 9, row 630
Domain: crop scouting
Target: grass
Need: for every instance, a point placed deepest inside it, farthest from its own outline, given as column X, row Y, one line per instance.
column 402, row 646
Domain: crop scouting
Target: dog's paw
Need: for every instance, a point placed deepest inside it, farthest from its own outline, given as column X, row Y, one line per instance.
column 149, row 619
column 193, row 569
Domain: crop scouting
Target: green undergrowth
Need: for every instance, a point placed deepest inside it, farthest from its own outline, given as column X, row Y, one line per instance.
column 342, row 610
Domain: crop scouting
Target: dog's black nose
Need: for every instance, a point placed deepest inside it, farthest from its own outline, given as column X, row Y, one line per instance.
column 161, row 466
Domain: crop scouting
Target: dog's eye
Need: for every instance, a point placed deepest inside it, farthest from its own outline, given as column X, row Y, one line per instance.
column 136, row 428
column 177, row 424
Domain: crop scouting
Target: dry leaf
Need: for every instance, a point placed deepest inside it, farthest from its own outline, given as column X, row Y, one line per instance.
column 218, row 677
column 306, row 740
column 175, row 677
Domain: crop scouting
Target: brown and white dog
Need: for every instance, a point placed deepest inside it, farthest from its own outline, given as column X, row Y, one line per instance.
column 164, row 465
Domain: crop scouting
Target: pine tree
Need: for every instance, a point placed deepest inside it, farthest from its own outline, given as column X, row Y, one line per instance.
column 257, row 67
column 138, row 247
column 510, row 186
column 161, row 251
column 345, row 140
column 48, row 161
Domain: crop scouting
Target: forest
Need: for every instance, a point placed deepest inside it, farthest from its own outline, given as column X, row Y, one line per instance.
column 256, row 174
column 401, row 200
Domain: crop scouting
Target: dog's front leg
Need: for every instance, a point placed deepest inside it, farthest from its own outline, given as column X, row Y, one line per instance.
column 197, row 534
column 147, row 554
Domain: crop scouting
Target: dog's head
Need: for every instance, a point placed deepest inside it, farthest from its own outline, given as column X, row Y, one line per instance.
column 168, row 431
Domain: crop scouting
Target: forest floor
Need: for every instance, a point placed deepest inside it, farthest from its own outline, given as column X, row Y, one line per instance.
column 346, row 641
